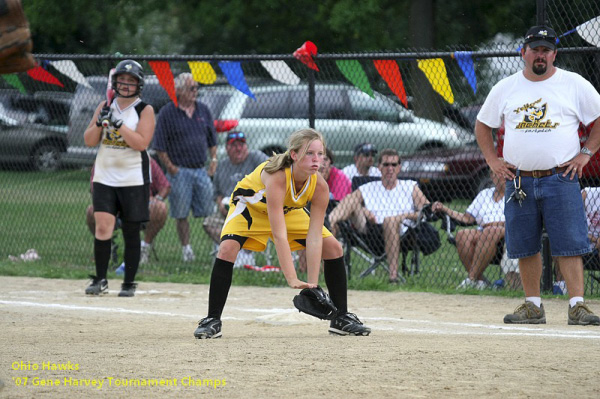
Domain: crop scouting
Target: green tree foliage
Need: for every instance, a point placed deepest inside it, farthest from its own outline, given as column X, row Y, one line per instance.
column 264, row 26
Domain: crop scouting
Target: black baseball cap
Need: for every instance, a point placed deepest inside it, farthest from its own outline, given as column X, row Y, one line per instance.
column 541, row 36
column 365, row 149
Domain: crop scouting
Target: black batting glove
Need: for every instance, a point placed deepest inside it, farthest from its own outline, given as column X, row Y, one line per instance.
column 103, row 117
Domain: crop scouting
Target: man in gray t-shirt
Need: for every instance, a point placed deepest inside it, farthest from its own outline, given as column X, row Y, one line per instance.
column 230, row 171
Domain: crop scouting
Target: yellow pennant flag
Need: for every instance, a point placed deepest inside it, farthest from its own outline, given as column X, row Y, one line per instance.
column 435, row 71
column 202, row 72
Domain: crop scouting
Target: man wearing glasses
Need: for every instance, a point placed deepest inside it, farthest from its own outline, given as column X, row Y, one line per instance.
column 239, row 163
column 186, row 142
column 383, row 209
column 364, row 158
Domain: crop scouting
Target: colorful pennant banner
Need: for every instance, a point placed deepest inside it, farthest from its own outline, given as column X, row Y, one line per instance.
column 435, row 71
column 14, row 81
column 465, row 61
column 589, row 31
column 202, row 72
column 390, row 72
column 281, row 72
column 39, row 73
column 69, row 69
column 163, row 72
column 355, row 73
column 305, row 54
column 235, row 76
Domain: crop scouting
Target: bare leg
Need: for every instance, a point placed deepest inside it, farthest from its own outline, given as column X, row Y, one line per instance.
column 572, row 270
column 465, row 246
column 485, row 249
column 89, row 218
column 158, row 217
column 105, row 224
column 183, row 231
column 391, row 237
column 531, row 273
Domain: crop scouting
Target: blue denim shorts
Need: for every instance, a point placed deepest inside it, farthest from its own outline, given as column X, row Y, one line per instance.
column 191, row 189
column 554, row 202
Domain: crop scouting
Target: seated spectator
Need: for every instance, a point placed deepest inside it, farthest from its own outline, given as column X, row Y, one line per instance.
column 159, row 190
column 390, row 208
column 240, row 162
column 364, row 157
column 339, row 184
column 478, row 247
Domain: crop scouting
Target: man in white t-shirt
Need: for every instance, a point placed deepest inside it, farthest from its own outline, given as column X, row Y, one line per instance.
column 364, row 158
column 390, row 207
column 541, row 108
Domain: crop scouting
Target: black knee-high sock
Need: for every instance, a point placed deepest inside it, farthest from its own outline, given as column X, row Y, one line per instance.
column 101, row 257
column 220, row 282
column 335, row 278
column 131, row 237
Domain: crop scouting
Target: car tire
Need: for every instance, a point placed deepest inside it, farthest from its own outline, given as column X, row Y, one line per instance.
column 46, row 157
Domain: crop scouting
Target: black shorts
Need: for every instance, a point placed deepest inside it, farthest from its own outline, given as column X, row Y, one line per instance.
column 130, row 203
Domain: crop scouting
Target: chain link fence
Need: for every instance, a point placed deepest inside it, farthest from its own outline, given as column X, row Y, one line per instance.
column 421, row 104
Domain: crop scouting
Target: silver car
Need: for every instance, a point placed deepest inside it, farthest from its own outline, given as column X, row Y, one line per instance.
column 345, row 115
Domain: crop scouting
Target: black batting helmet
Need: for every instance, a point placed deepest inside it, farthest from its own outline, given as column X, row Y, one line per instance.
column 132, row 68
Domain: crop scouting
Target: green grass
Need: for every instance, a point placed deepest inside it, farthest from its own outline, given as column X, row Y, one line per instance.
column 46, row 211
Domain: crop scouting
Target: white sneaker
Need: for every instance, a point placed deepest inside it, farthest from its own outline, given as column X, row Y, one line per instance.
column 481, row 285
column 466, row 283
column 145, row 253
column 244, row 257
column 188, row 254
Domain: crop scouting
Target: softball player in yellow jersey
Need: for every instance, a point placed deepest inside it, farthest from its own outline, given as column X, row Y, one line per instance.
column 269, row 203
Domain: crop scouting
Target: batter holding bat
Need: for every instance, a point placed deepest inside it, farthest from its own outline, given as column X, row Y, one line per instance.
column 269, row 203
column 123, row 125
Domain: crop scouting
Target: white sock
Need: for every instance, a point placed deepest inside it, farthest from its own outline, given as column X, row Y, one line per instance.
column 573, row 301
column 187, row 247
column 145, row 244
column 536, row 300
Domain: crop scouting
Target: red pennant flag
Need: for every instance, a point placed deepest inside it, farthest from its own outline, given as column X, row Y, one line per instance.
column 305, row 54
column 389, row 71
column 163, row 72
column 39, row 73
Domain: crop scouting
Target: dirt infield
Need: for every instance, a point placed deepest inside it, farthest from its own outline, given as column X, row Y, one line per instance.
column 58, row 343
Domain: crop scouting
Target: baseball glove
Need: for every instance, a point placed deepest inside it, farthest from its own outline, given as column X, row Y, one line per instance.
column 315, row 302
column 15, row 38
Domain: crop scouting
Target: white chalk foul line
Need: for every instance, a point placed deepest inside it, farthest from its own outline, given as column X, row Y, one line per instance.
column 499, row 330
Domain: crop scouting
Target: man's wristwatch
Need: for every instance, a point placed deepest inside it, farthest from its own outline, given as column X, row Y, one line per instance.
column 214, row 160
column 586, row 151
column 159, row 197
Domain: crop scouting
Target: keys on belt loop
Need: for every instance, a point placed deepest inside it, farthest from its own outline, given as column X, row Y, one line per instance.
column 518, row 194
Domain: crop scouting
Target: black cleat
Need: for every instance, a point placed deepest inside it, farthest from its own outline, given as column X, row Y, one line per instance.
column 128, row 289
column 348, row 324
column 97, row 286
column 208, row 328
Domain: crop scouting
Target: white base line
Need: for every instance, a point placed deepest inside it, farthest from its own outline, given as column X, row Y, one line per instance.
column 493, row 330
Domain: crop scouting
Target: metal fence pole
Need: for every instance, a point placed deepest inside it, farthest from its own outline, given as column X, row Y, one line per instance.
column 311, row 99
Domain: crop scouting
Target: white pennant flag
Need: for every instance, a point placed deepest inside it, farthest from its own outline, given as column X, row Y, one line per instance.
column 281, row 72
column 590, row 31
column 68, row 68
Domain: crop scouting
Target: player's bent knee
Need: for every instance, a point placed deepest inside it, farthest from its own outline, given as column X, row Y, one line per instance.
column 332, row 249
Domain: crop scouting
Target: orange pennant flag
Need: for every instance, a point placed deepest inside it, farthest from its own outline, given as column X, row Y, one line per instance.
column 163, row 72
column 389, row 71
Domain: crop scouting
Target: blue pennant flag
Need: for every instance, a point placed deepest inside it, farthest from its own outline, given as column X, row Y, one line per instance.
column 465, row 61
column 235, row 76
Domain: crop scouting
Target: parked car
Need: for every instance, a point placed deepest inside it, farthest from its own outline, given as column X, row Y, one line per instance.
column 345, row 115
column 33, row 144
column 84, row 104
column 446, row 174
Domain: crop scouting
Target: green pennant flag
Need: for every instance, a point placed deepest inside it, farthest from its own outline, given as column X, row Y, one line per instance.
column 354, row 72
column 14, row 81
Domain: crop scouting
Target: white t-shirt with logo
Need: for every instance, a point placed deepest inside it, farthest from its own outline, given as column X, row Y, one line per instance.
column 541, row 118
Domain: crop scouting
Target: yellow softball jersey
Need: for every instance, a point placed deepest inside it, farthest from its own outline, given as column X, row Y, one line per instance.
column 248, row 216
